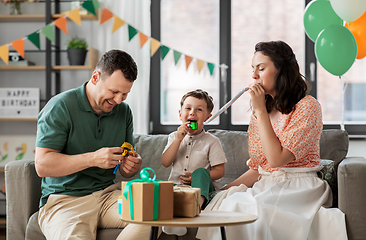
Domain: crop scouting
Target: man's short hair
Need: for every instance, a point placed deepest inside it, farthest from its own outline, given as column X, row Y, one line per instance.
column 117, row 60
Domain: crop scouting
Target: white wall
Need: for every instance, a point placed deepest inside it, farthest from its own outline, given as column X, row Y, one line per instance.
column 357, row 148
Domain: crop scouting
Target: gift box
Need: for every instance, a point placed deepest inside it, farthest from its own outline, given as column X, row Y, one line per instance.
column 186, row 201
column 143, row 198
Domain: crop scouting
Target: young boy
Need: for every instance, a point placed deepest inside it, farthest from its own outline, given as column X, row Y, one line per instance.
column 197, row 157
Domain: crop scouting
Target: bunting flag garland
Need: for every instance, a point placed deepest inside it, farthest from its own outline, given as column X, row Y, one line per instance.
column 200, row 65
column 143, row 39
column 176, row 56
column 61, row 23
column 188, row 61
column 96, row 4
column 34, row 38
column 49, row 32
column 131, row 32
column 154, row 46
column 164, row 51
column 105, row 15
column 89, row 6
column 18, row 45
column 211, row 67
column 74, row 15
column 4, row 53
column 117, row 24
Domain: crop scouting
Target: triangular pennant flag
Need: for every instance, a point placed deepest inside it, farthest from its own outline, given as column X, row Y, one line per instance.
column 176, row 56
column 4, row 53
column 18, row 45
column 154, row 46
column 131, row 32
column 117, row 24
column 106, row 15
column 61, row 23
column 96, row 4
column 34, row 38
column 49, row 32
column 188, row 61
column 74, row 15
column 211, row 67
column 200, row 65
column 89, row 6
column 164, row 51
column 143, row 39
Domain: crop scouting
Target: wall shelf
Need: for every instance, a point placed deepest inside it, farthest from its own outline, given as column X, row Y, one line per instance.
column 92, row 60
column 18, row 119
column 39, row 17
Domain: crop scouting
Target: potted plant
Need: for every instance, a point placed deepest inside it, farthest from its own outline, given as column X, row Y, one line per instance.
column 76, row 51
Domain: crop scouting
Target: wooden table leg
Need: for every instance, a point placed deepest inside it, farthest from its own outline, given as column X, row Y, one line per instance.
column 154, row 233
column 223, row 233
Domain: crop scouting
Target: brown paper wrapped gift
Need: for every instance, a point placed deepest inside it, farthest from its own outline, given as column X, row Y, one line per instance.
column 143, row 198
column 186, row 201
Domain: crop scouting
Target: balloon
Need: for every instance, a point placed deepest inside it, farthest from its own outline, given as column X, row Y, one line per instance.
column 358, row 29
column 319, row 15
column 349, row 10
column 336, row 49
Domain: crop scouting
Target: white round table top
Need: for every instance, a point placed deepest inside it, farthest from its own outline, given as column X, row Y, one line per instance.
column 205, row 219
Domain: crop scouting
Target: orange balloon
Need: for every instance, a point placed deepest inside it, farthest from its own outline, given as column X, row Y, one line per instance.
column 358, row 29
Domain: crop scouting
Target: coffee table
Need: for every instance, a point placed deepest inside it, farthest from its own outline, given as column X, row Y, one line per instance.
column 205, row 219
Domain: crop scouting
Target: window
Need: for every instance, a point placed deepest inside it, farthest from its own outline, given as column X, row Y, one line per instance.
column 192, row 28
column 225, row 32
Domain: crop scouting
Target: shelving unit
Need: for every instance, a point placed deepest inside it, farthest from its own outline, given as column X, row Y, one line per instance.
column 52, row 66
column 92, row 59
column 52, row 51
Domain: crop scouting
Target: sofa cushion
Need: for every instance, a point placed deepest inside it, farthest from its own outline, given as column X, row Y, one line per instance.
column 334, row 145
column 329, row 174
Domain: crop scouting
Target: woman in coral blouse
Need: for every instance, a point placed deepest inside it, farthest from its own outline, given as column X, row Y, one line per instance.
column 281, row 186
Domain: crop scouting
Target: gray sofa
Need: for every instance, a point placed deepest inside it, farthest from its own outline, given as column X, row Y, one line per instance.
column 23, row 184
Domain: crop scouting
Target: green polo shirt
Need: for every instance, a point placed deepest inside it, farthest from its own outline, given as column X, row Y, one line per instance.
column 68, row 124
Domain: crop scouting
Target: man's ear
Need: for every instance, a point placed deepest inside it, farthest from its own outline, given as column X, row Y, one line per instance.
column 95, row 77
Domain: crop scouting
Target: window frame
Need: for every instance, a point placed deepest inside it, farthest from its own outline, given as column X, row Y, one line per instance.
column 155, row 126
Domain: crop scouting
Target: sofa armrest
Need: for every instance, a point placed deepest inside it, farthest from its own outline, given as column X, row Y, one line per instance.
column 352, row 195
column 23, row 191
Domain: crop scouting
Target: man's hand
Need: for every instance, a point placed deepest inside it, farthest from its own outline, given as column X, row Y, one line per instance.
column 108, row 157
column 130, row 165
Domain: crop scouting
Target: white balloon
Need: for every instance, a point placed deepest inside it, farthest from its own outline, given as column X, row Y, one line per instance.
column 349, row 10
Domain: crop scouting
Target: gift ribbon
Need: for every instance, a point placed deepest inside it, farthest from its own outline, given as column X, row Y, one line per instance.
column 145, row 177
column 126, row 146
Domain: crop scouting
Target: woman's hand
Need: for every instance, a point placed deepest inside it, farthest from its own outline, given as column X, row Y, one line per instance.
column 258, row 101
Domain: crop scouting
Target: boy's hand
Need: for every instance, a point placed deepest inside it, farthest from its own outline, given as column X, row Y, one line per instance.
column 186, row 178
column 182, row 131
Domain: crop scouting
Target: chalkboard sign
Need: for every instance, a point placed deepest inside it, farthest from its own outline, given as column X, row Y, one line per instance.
column 19, row 102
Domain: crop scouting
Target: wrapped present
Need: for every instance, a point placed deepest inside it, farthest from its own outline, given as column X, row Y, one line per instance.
column 186, row 201
column 146, row 199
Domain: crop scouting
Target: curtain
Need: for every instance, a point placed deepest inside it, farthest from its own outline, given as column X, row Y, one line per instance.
column 137, row 14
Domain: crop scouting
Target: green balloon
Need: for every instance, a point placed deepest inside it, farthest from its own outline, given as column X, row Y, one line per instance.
column 336, row 49
column 319, row 15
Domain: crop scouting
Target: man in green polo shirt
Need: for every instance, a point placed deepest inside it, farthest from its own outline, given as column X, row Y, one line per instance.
column 79, row 134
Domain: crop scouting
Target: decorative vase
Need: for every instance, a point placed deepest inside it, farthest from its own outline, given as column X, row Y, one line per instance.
column 15, row 8
column 76, row 56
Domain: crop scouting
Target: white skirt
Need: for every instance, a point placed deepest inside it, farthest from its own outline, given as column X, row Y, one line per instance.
column 290, row 204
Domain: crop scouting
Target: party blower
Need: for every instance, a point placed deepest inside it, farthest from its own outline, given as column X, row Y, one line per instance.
column 193, row 125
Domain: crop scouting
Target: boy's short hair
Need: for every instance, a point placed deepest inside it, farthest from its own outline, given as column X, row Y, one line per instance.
column 200, row 94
